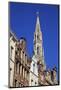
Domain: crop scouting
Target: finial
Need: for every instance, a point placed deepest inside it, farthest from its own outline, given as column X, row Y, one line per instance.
column 37, row 13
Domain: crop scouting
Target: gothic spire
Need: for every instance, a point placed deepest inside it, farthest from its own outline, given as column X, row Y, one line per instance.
column 37, row 17
column 38, row 42
column 37, row 23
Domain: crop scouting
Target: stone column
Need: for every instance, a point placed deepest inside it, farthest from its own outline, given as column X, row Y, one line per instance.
column 26, row 74
column 17, row 67
column 23, row 72
column 17, row 84
column 23, row 57
column 20, row 70
column 26, row 59
column 20, row 85
column 21, row 54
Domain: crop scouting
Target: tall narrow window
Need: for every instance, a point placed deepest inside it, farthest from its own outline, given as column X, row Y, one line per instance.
column 22, row 71
column 25, row 59
column 10, row 72
column 34, row 39
column 34, row 68
column 17, row 67
column 11, row 53
column 27, row 75
column 21, row 54
column 37, row 50
column 37, row 36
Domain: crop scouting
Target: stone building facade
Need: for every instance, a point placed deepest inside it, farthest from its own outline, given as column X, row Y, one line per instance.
column 26, row 71
column 19, row 63
column 12, row 43
column 22, row 65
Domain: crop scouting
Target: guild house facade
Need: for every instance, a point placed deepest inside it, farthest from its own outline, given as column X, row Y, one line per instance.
column 29, row 71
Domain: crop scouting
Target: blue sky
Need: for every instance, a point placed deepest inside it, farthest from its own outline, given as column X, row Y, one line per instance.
column 23, row 22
